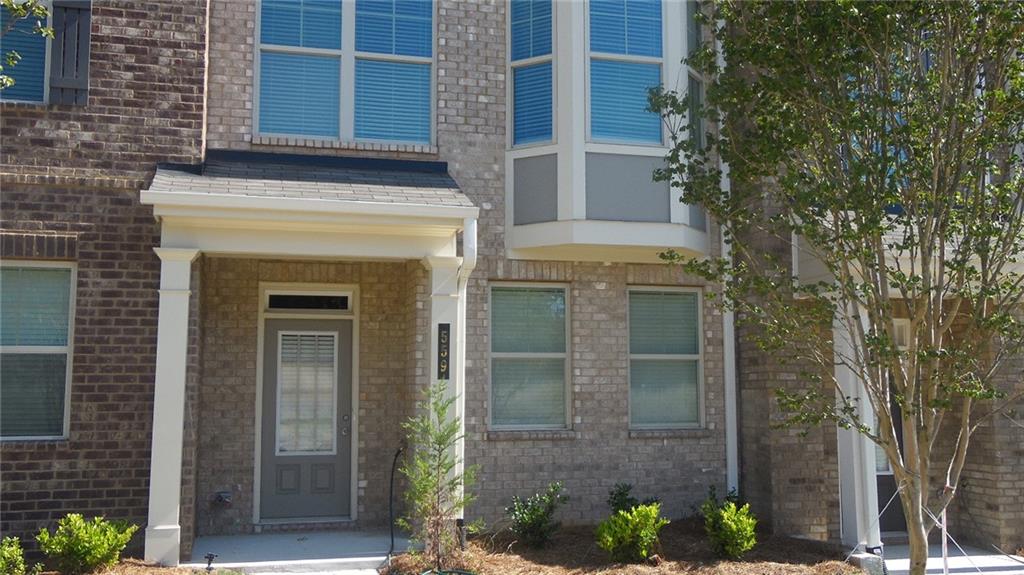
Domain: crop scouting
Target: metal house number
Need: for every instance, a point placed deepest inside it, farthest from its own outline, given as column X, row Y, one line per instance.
column 443, row 350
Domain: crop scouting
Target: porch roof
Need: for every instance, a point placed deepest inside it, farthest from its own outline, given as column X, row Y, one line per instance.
column 236, row 176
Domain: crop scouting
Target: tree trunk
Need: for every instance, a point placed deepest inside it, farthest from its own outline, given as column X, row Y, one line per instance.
column 918, row 538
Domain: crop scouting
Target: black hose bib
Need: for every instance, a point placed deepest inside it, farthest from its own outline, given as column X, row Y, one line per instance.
column 391, row 501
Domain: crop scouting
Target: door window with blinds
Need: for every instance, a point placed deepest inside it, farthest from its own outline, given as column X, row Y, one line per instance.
column 528, row 357
column 664, row 359
column 36, row 311
column 348, row 70
column 307, row 388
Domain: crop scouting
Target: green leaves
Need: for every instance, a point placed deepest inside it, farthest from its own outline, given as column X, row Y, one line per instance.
column 81, row 546
column 731, row 528
column 631, row 536
column 533, row 518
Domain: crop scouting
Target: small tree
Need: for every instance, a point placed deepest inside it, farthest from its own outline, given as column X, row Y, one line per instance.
column 437, row 491
column 887, row 138
column 17, row 10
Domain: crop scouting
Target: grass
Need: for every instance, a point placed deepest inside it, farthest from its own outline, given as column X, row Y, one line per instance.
column 684, row 551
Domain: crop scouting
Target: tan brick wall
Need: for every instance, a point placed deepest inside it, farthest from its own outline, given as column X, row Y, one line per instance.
column 390, row 296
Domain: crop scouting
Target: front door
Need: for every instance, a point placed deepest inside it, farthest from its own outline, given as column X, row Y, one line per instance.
column 892, row 520
column 305, row 452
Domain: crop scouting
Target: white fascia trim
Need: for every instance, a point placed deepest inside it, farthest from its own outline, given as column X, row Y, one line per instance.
column 610, row 233
column 188, row 199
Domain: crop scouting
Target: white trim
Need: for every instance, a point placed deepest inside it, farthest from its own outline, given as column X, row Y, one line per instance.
column 566, row 356
column 352, row 314
column 701, row 422
column 68, row 349
column 334, row 394
column 347, row 56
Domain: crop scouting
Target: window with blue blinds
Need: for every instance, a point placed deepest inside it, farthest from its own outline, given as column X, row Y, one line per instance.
column 302, row 23
column 619, row 110
column 392, row 101
column 532, row 72
column 532, row 103
column 528, row 357
column 531, row 28
column 399, row 27
column 35, row 316
column 29, row 74
column 664, row 360
column 628, row 27
column 386, row 67
column 299, row 94
column 625, row 63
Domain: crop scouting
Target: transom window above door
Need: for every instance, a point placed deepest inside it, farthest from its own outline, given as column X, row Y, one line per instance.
column 346, row 70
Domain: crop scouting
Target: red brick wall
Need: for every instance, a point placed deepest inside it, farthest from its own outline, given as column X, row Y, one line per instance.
column 70, row 177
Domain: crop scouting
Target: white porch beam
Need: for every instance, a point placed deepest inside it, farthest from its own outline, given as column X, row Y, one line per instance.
column 163, row 531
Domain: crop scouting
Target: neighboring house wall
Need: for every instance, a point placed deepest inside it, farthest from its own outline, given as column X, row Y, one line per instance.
column 74, row 172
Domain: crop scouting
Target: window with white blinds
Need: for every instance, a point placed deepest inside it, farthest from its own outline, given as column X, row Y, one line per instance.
column 36, row 309
column 528, row 357
column 664, row 359
column 625, row 63
column 369, row 80
column 307, row 392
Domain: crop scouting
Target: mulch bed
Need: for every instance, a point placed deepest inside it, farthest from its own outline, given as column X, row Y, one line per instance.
column 684, row 550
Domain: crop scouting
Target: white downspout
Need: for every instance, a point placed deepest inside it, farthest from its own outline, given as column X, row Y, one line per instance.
column 469, row 259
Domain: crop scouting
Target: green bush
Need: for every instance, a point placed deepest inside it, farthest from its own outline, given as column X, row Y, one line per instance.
column 621, row 499
column 80, row 546
column 12, row 558
column 533, row 518
column 730, row 528
column 631, row 536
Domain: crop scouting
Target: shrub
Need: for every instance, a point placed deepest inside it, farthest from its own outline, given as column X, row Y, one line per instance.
column 620, row 498
column 437, row 492
column 631, row 536
column 80, row 546
column 12, row 558
column 533, row 518
column 730, row 528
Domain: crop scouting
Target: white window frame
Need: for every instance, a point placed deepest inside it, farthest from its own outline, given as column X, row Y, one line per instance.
column 334, row 395
column 698, row 357
column 513, row 65
column 40, row 349
column 46, row 63
column 667, row 48
column 565, row 356
column 347, row 57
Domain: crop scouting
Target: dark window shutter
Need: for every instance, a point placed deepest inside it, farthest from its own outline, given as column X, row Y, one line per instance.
column 69, row 53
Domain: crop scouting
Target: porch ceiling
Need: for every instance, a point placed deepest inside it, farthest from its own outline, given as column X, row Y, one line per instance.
column 309, row 206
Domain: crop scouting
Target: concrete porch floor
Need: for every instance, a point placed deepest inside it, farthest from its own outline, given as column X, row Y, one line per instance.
column 320, row 552
column 897, row 561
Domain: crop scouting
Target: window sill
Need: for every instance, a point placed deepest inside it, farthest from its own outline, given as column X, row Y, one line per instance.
column 688, row 433
column 530, row 434
column 29, row 443
column 258, row 140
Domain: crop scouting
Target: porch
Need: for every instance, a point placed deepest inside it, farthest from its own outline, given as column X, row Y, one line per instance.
column 304, row 304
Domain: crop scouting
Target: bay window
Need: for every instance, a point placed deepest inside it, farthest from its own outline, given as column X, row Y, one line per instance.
column 532, row 71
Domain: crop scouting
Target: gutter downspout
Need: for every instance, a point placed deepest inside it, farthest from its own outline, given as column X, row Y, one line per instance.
column 469, row 259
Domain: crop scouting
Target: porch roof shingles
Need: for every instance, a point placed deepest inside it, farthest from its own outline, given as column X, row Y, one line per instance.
column 284, row 180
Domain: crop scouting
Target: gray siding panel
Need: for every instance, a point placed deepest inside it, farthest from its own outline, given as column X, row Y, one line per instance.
column 622, row 188
column 535, row 190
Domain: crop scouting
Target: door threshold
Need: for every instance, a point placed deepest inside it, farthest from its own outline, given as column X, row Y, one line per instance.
column 303, row 521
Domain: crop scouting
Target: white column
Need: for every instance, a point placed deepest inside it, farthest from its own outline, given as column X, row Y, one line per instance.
column 857, row 482
column 570, row 110
column 163, row 532
column 447, row 308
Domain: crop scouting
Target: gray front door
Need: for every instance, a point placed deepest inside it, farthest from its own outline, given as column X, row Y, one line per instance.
column 306, row 449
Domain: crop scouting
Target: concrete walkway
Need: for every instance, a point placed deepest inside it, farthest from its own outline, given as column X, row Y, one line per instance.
column 309, row 553
column 897, row 561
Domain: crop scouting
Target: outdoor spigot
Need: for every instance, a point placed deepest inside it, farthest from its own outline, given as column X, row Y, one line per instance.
column 209, row 561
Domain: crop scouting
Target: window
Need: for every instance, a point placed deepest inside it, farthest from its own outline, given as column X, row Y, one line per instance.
column 29, row 74
column 528, row 357
column 307, row 392
column 375, row 84
column 36, row 309
column 625, row 63
column 532, row 71
column 664, row 359
column 695, row 84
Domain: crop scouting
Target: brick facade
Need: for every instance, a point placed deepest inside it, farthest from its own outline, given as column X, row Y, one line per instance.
column 70, row 177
